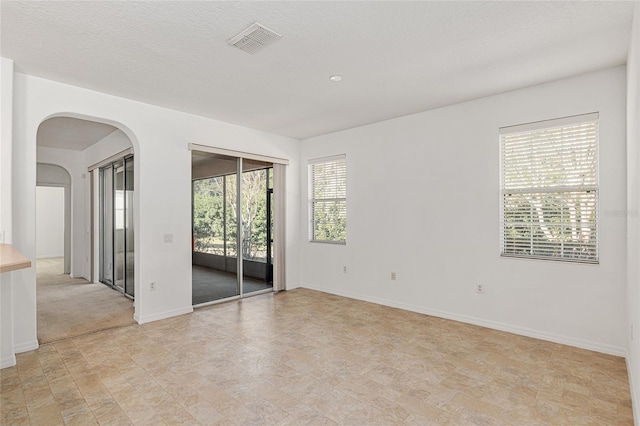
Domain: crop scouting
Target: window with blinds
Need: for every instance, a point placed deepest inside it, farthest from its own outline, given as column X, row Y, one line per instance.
column 328, row 200
column 550, row 189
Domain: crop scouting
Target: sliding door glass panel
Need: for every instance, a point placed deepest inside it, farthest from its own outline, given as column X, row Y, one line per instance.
column 119, row 219
column 128, row 227
column 255, row 227
column 106, row 225
column 116, row 226
column 214, row 205
column 270, row 227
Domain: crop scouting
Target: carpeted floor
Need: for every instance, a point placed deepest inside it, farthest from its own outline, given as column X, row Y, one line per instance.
column 69, row 307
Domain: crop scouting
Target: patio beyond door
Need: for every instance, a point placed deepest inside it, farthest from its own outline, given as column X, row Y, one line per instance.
column 232, row 253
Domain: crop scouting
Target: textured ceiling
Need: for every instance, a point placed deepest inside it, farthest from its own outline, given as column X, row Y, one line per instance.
column 396, row 58
column 71, row 133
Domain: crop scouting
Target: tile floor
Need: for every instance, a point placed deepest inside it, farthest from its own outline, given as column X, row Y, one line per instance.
column 304, row 357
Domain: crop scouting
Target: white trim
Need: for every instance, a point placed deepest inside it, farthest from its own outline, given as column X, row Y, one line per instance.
column 635, row 408
column 523, row 331
column 549, row 124
column 163, row 315
column 9, row 361
column 115, row 157
column 279, row 227
column 26, row 347
column 50, row 256
column 241, row 154
column 239, row 228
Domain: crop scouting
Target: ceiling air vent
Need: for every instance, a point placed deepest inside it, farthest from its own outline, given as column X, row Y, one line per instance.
column 254, row 38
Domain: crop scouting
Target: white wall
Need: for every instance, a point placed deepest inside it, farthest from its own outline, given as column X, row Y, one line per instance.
column 6, row 135
column 7, row 357
column 49, row 222
column 633, row 212
column 162, row 201
column 109, row 146
column 51, row 170
column 423, row 201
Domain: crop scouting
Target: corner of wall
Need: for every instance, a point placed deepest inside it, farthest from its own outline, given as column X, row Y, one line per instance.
column 143, row 319
column 633, row 206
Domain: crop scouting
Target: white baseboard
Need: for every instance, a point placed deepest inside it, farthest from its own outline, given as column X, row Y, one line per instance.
column 523, row 331
column 9, row 361
column 634, row 400
column 162, row 315
column 72, row 275
column 49, row 256
column 26, row 346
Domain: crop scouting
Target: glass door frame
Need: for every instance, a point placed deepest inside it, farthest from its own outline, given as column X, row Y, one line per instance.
column 127, row 288
column 240, row 232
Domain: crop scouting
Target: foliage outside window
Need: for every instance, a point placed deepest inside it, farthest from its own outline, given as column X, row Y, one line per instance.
column 328, row 200
column 215, row 212
column 550, row 189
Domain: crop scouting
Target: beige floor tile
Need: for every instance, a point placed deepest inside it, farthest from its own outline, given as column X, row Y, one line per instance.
column 303, row 357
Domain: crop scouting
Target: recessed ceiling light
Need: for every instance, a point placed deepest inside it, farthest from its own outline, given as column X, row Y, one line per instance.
column 335, row 78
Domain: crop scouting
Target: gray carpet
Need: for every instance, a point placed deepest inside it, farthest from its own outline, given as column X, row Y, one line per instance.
column 70, row 307
column 212, row 284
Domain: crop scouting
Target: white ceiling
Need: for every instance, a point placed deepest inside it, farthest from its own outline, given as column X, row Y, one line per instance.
column 396, row 58
column 71, row 133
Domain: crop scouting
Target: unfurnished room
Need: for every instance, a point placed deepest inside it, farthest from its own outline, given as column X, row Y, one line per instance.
column 320, row 212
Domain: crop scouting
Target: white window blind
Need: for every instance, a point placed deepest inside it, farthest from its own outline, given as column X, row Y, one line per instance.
column 328, row 200
column 550, row 189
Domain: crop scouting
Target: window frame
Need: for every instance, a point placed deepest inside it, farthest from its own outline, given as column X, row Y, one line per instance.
column 312, row 201
column 542, row 126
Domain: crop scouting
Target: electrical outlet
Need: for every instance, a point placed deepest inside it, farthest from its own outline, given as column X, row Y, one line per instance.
column 168, row 238
column 393, row 276
column 631, row 331
column 152, row 286
column 480, row 288
column 344, row 269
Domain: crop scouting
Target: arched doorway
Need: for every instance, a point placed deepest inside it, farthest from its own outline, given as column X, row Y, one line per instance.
column 78, row 304
column 48, row 178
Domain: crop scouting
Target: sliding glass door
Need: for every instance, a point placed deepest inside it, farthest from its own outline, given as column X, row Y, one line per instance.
column 116, row 226
column 256, row 227
column 215, row 230
column 118, row 234
column 231, row 227
column 106, row 225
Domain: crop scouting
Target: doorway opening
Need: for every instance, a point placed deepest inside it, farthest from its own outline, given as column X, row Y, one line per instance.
column 69, row 299
column 233, row 227
column 51, row 228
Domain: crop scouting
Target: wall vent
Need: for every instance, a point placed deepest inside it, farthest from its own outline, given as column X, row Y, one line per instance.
column 254, row 38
